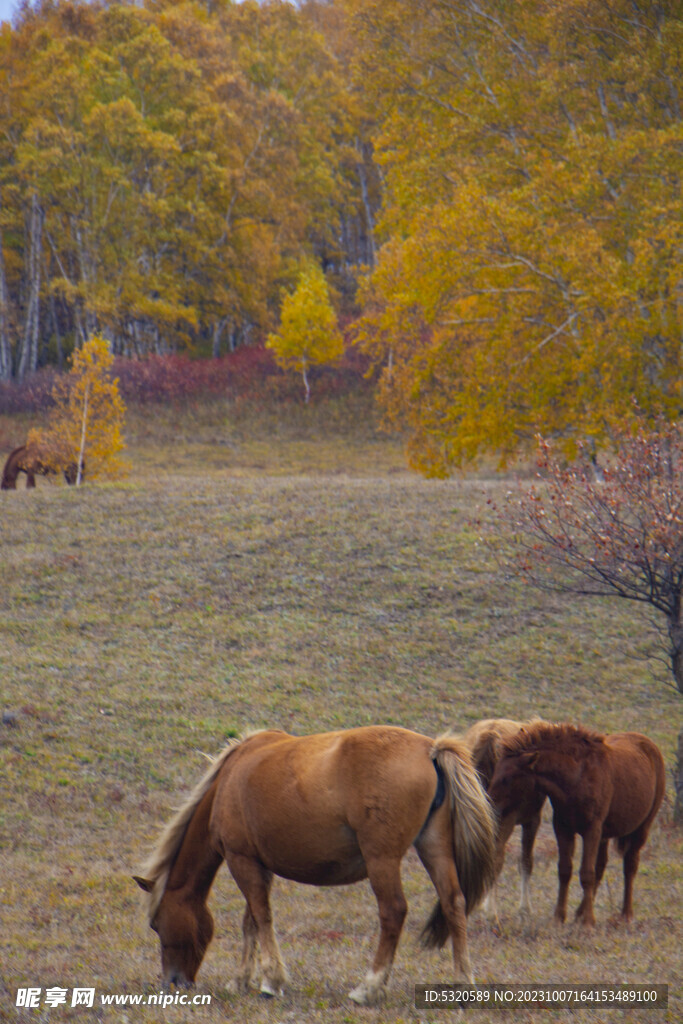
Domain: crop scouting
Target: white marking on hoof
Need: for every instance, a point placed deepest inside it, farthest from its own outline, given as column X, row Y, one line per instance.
column 269, row 992
column 371, row 990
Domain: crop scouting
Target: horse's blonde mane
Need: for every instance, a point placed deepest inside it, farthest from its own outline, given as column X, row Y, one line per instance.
column 160, row 861
column 485, row 741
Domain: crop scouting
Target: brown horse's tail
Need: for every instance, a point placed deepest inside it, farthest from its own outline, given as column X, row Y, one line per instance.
column 474, row 831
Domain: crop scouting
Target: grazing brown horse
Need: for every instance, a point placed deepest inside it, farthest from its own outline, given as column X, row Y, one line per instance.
column 328, row 809
column 485, row 742
column 25, row 459
column 601, row 787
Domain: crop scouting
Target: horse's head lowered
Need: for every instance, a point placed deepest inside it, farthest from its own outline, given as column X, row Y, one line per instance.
column 185, row 928
column 177, row 877
column 513, row 782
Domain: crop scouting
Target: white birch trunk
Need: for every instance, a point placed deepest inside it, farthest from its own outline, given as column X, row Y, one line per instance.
column 5, row 346
column 28, row 358
column 81, row 450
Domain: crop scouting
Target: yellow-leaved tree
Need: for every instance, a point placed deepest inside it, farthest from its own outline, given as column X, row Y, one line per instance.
column 84, row 431
column 308, row 334
column 529, row 276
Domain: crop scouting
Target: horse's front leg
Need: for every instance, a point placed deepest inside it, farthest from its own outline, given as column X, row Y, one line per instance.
column 245, row 975
column 254, row 882
column 565, row 850
column 385, row 879
column 526, row 860
column 591, row 844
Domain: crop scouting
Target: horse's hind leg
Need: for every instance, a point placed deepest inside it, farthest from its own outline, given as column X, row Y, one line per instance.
column 631, row 847
column 435, row 850
column 526, row 860
column 385, row 878
column 254, row 882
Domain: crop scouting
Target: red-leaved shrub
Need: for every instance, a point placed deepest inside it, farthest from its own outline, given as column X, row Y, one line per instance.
column 248, row 373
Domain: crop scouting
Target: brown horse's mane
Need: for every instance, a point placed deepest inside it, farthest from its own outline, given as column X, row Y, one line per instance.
column 160, row 861
column 562, row 735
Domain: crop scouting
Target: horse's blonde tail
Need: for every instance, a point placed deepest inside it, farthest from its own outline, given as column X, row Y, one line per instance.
column 474, row 820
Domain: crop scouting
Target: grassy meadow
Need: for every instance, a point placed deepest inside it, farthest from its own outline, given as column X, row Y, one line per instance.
column 282, row 568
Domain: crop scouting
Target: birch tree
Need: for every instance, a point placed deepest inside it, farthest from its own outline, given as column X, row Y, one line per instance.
column 85, row 427
column 308, row 334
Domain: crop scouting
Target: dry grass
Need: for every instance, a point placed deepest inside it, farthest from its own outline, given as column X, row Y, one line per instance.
column 282, row 570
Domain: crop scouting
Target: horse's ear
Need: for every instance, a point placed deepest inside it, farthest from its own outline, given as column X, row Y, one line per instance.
column 528, row 760
column 144, row 883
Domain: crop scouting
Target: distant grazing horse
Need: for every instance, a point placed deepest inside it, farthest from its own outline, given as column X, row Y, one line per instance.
column 601, row 787
column 26, row 460
column 485, row 742
column 328, row 809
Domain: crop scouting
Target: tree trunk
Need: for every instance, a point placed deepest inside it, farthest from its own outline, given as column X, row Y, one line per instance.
column 676, row 638
column 370, row 221
column 306, row 384
column 5, row 347
column 56, row 331
column 28, row 357
column 676, row 635
column 677, row 662
column 81, row 450
column 678, row 783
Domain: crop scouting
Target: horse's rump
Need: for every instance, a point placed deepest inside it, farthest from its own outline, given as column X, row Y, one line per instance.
column 639, row 774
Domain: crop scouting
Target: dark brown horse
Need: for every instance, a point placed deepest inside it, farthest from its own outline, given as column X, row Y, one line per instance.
column 329, row 809
column 485, row 741
column 25, row 459
column 601, row 787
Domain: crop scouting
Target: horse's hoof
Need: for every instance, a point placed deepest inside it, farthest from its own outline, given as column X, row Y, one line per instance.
column 363, row 997
column 269, row 992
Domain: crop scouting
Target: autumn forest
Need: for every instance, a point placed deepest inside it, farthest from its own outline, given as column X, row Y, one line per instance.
column 491, row 190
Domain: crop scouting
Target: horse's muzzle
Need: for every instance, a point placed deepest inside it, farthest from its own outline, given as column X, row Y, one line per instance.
column 177, row 979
